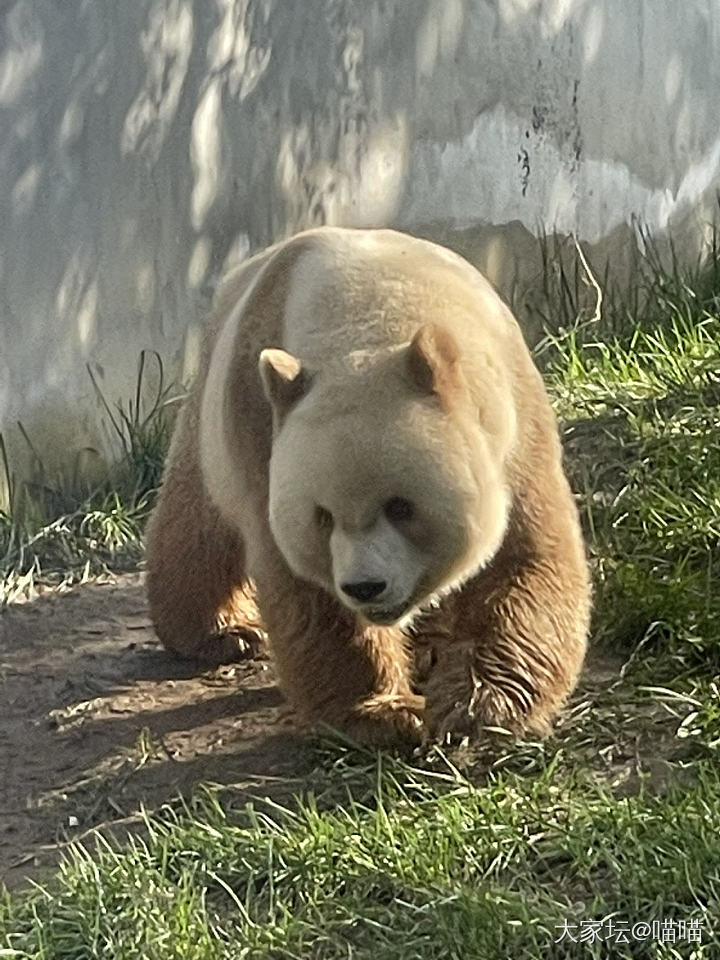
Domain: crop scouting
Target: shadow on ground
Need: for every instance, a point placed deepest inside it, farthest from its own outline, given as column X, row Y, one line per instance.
column 97, row 721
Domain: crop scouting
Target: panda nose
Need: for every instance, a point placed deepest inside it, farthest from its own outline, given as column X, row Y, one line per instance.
column 364, row 590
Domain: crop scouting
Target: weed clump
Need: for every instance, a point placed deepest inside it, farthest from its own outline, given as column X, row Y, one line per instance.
column 66, row 531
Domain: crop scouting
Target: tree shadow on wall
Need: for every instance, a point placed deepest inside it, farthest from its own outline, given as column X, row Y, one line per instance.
column 148, row 143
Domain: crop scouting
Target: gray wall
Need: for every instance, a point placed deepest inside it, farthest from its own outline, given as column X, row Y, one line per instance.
column 144, row 142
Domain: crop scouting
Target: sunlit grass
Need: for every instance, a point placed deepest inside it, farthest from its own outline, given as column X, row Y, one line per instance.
column 641, row 413
column 428, row 865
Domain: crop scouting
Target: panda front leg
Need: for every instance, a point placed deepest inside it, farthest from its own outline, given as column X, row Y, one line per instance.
column 335, row 672
column 516, row 649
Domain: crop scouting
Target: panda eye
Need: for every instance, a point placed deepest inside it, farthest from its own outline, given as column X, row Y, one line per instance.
column 323, row 518
column 398, row 510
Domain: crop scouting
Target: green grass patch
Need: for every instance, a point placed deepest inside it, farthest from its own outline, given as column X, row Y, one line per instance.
column 429, row 866
column 64, row 531
column 639, row 398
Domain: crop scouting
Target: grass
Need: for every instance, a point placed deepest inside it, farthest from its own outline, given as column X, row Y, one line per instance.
column 424, row 865
column 64, row 531
column 487, row 853
column 639, row 395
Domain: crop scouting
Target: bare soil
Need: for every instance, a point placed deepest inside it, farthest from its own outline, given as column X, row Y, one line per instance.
column 96, row 720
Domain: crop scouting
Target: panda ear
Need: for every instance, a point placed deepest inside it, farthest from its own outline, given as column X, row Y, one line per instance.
column 284, row 379
column 432, row 359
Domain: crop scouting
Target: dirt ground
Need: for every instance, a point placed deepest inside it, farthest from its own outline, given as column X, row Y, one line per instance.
column 97, row 720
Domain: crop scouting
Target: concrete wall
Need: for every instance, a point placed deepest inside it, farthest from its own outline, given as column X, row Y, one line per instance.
column 144, row 143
